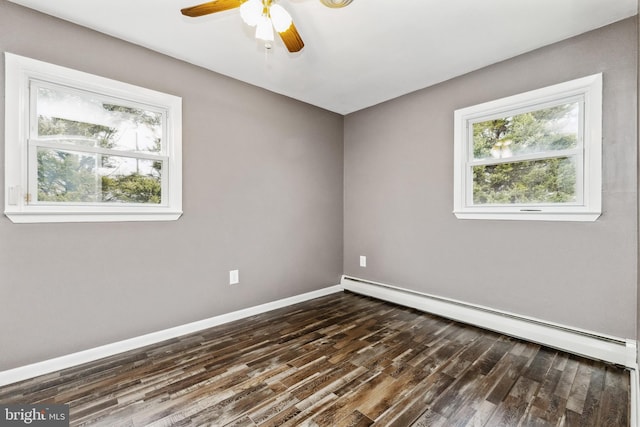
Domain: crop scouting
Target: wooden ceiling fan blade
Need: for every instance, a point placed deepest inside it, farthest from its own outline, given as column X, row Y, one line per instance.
column 292, row 39
column 210, row 7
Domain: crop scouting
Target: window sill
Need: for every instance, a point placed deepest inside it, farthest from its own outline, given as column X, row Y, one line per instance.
column 530, row 216
column 48, row 217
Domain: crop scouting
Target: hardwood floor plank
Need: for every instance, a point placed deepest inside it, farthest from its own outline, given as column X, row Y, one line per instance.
column 563, row 389
column 514, row 406
column 384, row 395
column 269, row 409
column 479, row 415
column 415, row 401
column 540, row 364
column 546, row 405
column 468, row 404
column 339, row 360
column 614, row 408
column 515, row 365
column 593, row 398
column 579, row 389
column 355, row 419
column 430, row 419
column 328, row 381
column 244, row 421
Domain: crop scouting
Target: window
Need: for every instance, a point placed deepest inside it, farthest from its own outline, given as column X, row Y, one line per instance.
column 534, row 156
column 80, row 148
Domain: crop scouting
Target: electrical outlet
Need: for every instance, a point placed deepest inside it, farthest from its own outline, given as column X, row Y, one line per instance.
column 363, row 261
column 234, row 277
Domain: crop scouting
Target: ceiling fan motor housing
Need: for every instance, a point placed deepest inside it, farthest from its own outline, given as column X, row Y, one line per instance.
column 336, row 3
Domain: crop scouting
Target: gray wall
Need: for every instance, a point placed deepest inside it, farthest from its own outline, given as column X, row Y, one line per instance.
column 399, row 197
column 262, row 193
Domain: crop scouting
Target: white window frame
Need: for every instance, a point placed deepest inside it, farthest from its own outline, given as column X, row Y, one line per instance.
column 588, row 206
column 21, row 73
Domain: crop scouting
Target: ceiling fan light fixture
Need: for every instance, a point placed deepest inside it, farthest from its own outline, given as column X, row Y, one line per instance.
column 250, row 12
column 280, row 18
column 264, row 15
column 336, row 3
column 264, row 29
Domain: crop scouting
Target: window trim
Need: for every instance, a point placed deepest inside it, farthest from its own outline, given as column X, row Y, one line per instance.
column 20, row 72
column 589, row 89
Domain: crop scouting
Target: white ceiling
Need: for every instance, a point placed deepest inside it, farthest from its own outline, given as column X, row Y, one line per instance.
column 355, row 57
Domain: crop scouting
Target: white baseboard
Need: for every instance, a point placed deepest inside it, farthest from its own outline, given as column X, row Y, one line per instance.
column 63, row 362
column 573, row 340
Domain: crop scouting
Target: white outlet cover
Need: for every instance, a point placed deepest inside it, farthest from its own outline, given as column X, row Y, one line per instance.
column 363, row 261
column 234, row 277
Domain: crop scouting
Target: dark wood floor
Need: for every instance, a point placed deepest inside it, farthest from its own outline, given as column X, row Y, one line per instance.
column 341, row 360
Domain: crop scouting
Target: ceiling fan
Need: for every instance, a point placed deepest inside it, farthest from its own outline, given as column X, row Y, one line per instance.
column 265, row 15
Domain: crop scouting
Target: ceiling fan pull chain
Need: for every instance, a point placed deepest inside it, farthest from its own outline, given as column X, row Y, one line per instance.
column 267, row 54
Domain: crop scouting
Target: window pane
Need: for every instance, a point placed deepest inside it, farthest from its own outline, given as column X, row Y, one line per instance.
column 539, row 181
column 553, row 128
column 129, row 180
column 66, row 176
column 83, row 119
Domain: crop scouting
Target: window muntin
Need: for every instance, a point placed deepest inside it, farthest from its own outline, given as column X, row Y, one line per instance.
column 531, row 156
column 79, row 147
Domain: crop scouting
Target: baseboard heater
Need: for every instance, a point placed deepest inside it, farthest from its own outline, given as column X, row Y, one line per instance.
column 573, row 340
